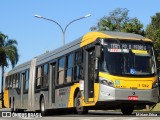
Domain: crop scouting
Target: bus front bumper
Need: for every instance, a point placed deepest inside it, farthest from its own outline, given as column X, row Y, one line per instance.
column 116, row 94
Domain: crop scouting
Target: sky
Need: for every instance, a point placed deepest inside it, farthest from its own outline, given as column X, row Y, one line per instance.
column 36, row 36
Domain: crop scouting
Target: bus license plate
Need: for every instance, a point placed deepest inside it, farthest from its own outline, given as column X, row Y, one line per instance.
column 132, row 97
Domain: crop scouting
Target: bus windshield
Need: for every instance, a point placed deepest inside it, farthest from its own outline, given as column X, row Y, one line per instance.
column 128, row 58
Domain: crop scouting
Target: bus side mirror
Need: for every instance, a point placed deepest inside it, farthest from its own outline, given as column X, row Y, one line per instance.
column 98, row 51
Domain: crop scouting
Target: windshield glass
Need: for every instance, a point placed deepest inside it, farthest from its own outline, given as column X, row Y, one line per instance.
column 128, row 58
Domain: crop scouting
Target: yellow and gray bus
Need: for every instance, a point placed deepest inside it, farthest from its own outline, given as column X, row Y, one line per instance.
column 99, row 71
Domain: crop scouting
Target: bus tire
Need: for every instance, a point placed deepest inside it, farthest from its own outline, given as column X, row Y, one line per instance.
column 42, row 106
column 78, row 104
column 127, row 110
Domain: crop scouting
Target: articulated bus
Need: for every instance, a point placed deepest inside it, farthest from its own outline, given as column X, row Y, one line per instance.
column 99, row 71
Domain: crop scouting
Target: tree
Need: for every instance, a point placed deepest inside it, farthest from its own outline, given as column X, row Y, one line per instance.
column 8, row 53
column 153, row 30
column 118, row 20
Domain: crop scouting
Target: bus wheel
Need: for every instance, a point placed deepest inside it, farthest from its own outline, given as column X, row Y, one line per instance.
column 42, row 107
column 127, row 110
column 78, row 104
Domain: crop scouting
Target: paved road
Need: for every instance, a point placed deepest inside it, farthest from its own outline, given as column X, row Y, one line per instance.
column 92, row 115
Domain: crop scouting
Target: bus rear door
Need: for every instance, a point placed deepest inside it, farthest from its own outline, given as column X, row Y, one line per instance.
column 52, row 82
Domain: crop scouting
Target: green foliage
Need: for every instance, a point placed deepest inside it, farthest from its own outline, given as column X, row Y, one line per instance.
column 8, row 51
column 118, row 20
column 153, row 30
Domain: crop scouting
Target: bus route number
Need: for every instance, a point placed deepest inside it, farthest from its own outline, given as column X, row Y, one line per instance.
column 143, row 85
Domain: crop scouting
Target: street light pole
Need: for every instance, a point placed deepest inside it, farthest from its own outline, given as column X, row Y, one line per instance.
column 63, row 30
column 88, row 15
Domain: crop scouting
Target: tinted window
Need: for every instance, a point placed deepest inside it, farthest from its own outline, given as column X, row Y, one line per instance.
column 78, row 67
column 38, row 77
column 14, row 81
column 6, row 83
column 61, row 64
column 26, row 80
column 45, row 75
column 17, row 79
column 69, row 67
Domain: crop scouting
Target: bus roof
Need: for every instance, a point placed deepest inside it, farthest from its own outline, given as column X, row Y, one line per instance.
column 92, row 36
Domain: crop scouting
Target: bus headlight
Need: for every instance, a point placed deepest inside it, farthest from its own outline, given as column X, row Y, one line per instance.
column 155, row 84
column 106, row 82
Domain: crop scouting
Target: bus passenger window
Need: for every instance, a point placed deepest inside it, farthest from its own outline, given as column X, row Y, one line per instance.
column 69, row 68
column 19, row 82
column 6, row 83
column 14, row 81
column 26, row 80
column 78, row 69
column 61, row 64
column 45, row 76
column 38, row 77
column 17, row 78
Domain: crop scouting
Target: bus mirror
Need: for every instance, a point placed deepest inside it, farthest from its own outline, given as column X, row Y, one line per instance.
column 98, row 51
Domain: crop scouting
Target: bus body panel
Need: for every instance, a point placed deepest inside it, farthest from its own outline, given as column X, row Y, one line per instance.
column 13, row 94
column 31, row 85
column 62, row 97
column 130, row 82
column 37, row 101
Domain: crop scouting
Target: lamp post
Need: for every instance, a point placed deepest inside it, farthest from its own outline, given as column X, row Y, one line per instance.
column 63, row 30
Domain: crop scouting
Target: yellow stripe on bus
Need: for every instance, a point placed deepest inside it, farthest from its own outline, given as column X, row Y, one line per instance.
column 71, row 96
column 92, row 36
column 128, row 82
column 140, row 51
column 92, row 101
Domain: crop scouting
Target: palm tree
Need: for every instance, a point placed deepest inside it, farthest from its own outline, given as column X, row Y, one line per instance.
column 8, row 54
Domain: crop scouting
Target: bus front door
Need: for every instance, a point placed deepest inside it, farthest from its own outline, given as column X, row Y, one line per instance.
column 89, row 75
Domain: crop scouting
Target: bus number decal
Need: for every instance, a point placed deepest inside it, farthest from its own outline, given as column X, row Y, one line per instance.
column 143, row 85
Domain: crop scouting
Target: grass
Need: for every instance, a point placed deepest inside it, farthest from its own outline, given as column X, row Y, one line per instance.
column 156, row 108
